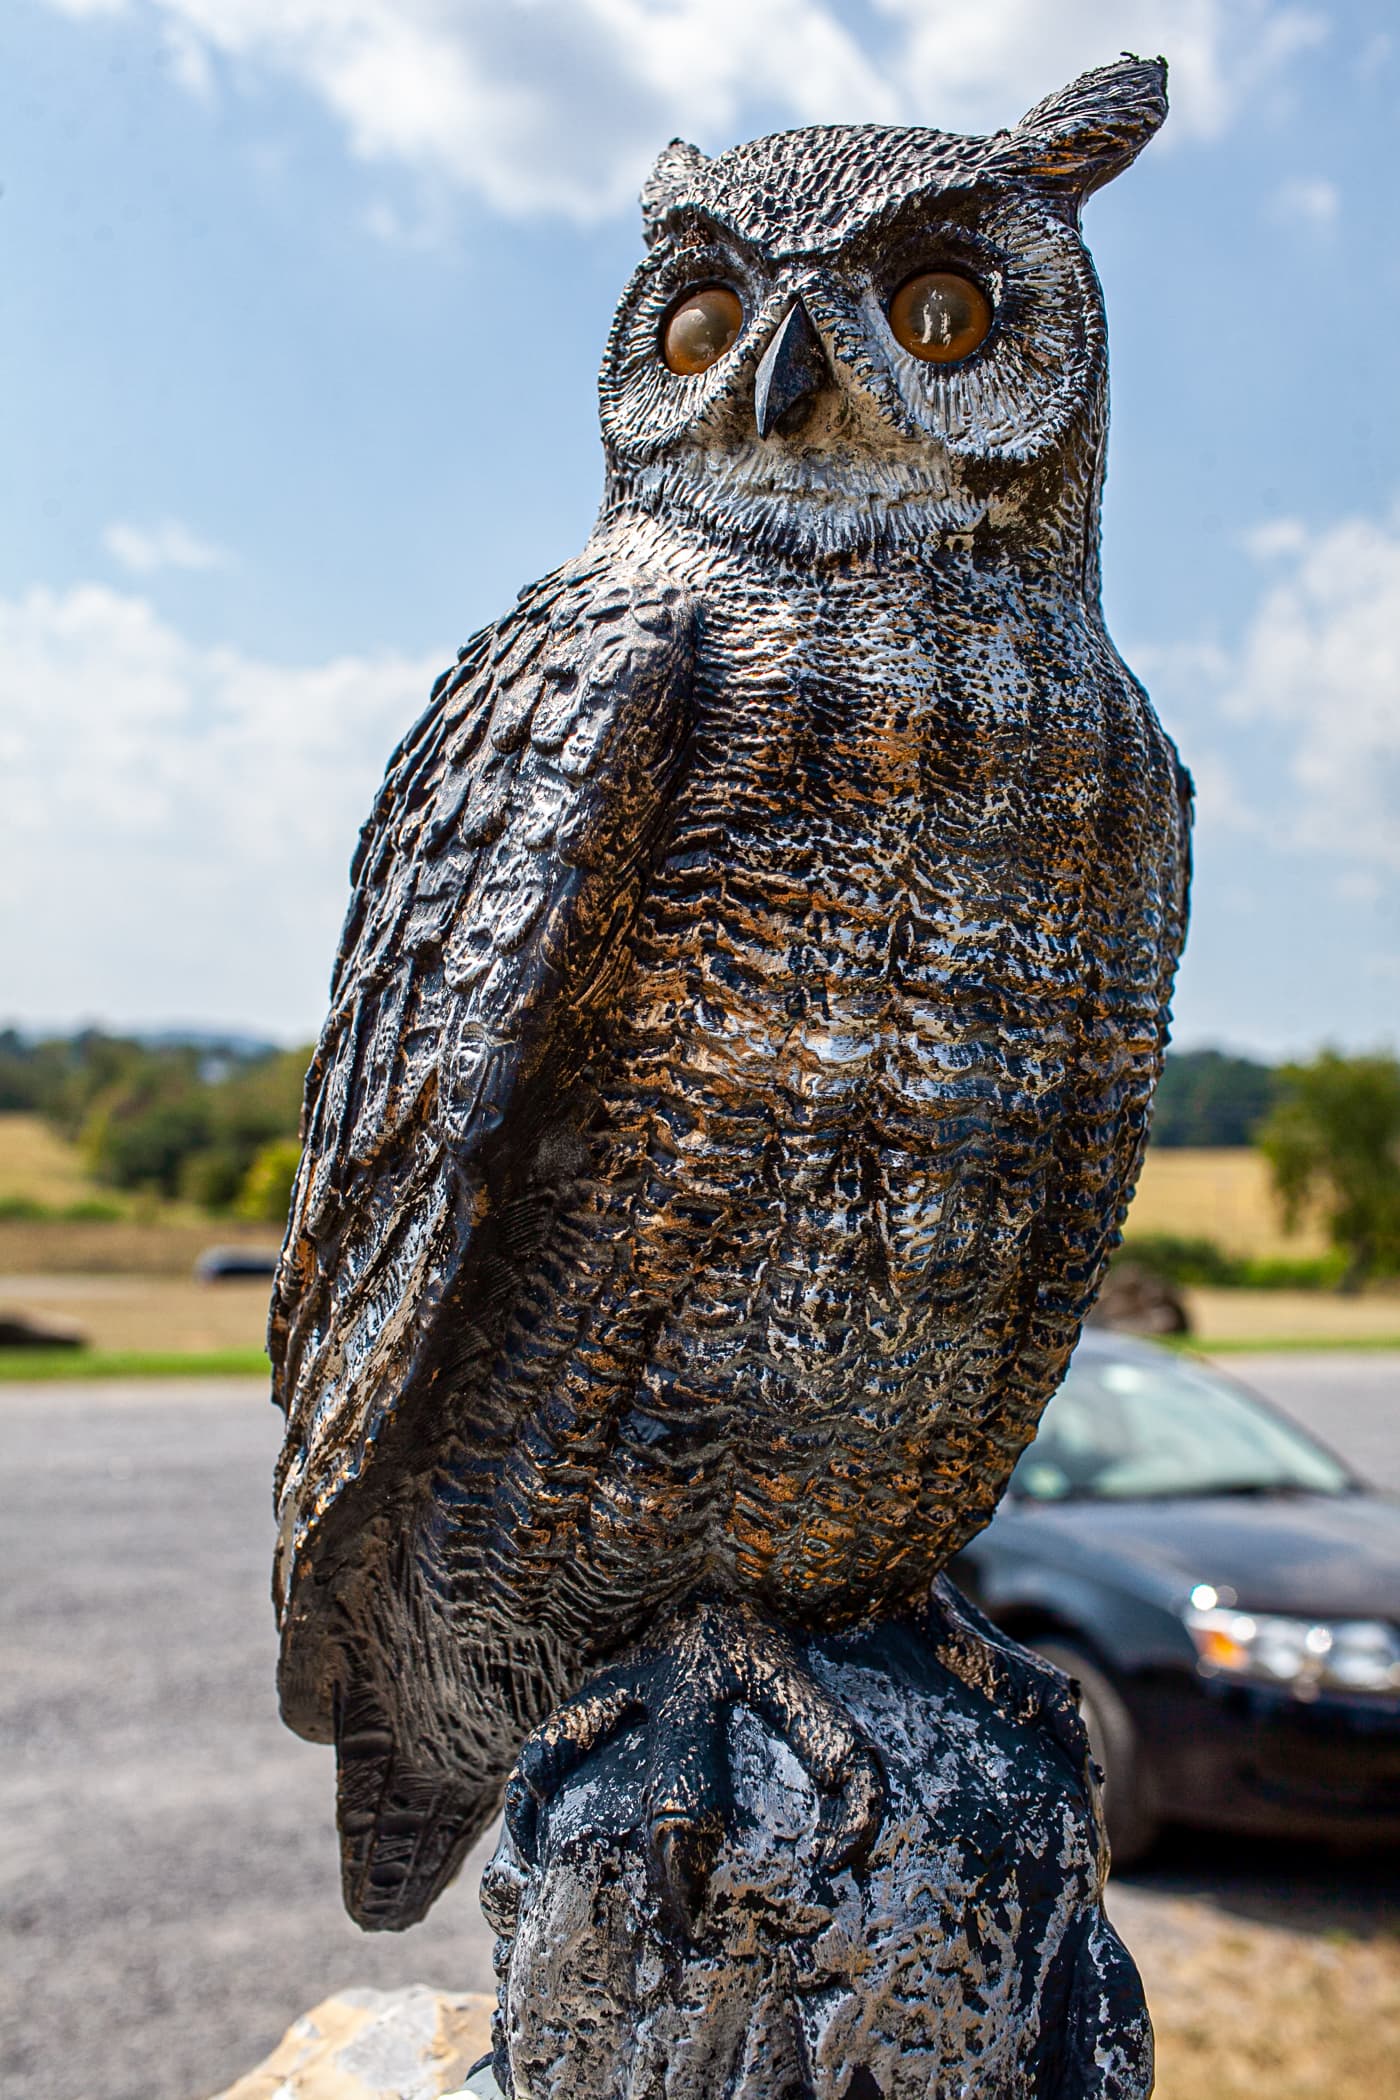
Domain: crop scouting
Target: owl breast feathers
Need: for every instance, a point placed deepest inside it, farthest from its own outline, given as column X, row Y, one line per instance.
column 744, row 1029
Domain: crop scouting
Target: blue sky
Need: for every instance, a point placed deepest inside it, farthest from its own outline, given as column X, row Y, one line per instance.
column 304, row 300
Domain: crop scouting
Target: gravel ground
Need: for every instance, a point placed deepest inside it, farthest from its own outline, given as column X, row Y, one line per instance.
column 168, row 1873
column 168, row 1898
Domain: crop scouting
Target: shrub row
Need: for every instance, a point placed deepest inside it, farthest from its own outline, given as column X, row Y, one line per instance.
column 91, row 1210
column 1181, row 1260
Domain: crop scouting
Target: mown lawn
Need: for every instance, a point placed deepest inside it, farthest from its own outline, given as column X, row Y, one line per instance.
column 29, row 1366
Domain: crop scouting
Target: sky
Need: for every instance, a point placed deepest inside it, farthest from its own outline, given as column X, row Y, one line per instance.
column 303, row 307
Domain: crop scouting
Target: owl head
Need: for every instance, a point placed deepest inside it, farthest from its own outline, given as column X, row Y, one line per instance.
column 869, row 336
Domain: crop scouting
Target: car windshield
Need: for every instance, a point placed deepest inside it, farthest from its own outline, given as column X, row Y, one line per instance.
column 1124, row 1427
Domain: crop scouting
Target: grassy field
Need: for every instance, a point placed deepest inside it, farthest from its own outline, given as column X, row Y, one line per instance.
column 163, row 1324
column 1290, row 1319
column 63, row 1366
column 1218, row 1195
column 125, row 1284
column 36, row 1163
column 39, row 1166
column 1221, row 1195
column 146, row 1238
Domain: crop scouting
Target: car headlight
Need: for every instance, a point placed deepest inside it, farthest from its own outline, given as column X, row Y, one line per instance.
column 1306, row 1655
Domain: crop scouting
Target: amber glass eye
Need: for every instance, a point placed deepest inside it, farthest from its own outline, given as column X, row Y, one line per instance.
column 701, row 329
column 940, row 317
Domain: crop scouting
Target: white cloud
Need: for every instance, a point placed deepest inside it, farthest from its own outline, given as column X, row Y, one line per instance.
column 1274, row 537
column 1183, row 664
column 1319, row 668
column 991, row 60
column 1308, row 200
column 1374, row 53
column 179, row 819
column 169, row 545
column 557, row 105
column 189, row 60
column 1360, row 886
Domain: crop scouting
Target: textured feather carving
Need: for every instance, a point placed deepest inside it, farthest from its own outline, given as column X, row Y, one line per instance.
column 493, row 884
column 745, row 1026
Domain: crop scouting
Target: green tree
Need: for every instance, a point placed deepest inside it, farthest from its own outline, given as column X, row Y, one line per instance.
column 96, row 1067
column 266, row 1194
column 142, row 1126
column 258, row 1101
column 31, row 1073
column 212, row 1179
column 1207, row 1097
column 181, row 1118
column 1334, row 1140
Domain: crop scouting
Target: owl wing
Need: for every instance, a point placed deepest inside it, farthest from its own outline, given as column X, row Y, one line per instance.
column 493, row 889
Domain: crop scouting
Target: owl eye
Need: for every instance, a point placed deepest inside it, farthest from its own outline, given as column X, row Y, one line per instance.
column 701, row 328
column 940, row 317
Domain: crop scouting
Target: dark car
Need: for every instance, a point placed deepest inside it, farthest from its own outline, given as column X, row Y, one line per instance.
column 235, row 1264
column 1226, row 1591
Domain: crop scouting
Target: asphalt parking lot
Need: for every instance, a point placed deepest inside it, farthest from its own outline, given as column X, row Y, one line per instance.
column 168, row 1893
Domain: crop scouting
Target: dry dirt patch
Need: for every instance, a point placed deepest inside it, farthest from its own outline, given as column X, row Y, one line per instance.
column 1244, row 2010
column 120, row 1246
column 168, row 1313
column 1293, row 1316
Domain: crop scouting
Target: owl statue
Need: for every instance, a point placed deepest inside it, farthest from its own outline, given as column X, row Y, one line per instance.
column 744, row 1029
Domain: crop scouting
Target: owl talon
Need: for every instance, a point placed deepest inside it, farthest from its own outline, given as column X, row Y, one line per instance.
column 554, row 1752
column 851, row 1826
column 719, row 1656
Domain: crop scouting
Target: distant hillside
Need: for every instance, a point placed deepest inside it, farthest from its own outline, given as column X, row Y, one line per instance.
column 184, row 1117
column 1208, row 1098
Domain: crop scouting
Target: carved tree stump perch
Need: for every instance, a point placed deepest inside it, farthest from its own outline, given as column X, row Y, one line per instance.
column 968, row 1953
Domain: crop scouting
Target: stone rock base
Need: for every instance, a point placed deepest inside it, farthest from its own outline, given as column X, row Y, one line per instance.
column 415, row 2044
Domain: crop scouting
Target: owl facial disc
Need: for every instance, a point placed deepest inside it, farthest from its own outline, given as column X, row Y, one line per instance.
column 793, row 372
column 868, row 337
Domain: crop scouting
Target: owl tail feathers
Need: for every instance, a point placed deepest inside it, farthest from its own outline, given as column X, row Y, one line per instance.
column 405, row 1828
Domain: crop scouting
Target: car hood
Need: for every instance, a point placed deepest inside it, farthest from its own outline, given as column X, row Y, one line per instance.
column 1317, row 1556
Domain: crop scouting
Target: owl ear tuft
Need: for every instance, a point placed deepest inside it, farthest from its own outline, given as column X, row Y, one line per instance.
column 676, row 168
column 1081, row 137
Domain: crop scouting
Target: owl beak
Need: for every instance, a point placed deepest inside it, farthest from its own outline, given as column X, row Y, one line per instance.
column 793, row 372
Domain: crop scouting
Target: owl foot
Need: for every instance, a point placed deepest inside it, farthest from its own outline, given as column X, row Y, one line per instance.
column 681, row 1688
